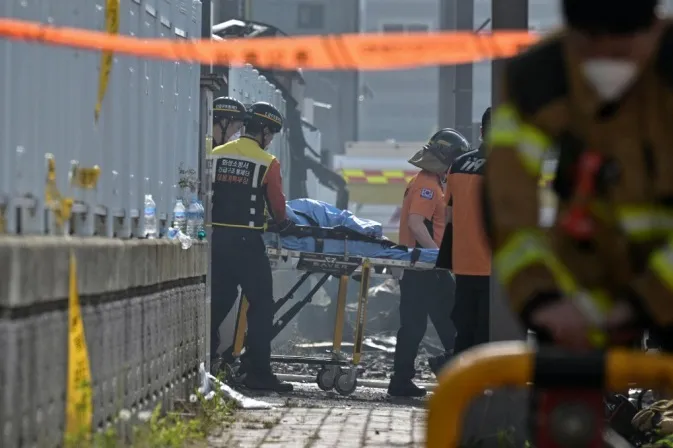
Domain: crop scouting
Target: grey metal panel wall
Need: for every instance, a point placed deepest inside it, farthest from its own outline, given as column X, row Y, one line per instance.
column 404, row 104
column 147, row 129
column 338, row 88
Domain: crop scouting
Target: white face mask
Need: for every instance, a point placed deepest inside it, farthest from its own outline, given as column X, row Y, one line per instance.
column 236, row 136
column 610, row 77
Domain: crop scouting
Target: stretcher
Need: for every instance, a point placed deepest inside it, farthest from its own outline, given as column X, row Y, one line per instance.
column 576, row 382
column 337, row 370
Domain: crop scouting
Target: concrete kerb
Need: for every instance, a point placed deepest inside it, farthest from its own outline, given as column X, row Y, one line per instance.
column 35, row 269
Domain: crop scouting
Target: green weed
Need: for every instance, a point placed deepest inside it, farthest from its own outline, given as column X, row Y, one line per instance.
column 187, row 426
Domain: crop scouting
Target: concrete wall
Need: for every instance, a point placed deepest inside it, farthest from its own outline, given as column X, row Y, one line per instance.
column 145, row 315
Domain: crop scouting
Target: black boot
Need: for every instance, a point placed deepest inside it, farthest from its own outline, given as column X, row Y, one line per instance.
column 405, row 388
column 436, row 363
column 265, row 381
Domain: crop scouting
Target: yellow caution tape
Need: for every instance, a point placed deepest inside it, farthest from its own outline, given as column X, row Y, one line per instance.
column 112, row 27
column 59, row 205
column 79, row 403
column 86, row 178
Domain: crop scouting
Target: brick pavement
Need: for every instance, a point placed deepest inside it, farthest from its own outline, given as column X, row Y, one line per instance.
column 324, row 428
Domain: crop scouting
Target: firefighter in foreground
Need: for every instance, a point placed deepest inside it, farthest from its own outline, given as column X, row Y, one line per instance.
column 228, row 115
column 247, row 181
column 425, row 293
column 601, row 92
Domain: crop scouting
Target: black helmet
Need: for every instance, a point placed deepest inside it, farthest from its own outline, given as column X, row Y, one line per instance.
column 447, row 144
column 609, row 16
column 438, row 155
column 265, row 115
column 228, row 108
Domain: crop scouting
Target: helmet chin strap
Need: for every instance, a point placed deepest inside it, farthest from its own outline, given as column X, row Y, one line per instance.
column 223, row 130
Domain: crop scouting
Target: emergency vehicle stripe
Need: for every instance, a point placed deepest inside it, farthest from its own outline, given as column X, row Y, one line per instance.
column 508, row 130
column 642, row 223
column 377, row 177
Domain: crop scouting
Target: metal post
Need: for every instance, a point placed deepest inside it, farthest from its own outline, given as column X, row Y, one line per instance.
column 463, row 81
column 446, row 114
column 210, row 83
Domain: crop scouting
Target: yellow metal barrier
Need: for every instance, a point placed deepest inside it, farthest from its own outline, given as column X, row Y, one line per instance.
column 497, row 365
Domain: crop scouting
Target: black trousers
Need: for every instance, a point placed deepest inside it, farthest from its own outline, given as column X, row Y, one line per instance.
column 423, row 294
column 471, row 313
column 239, row 258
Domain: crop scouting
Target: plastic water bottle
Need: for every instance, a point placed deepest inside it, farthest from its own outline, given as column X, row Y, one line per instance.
column 200, row 222
column 192, row 218
column 173, row 231
column 150, row 217
column 180, row 215
column 185, row 240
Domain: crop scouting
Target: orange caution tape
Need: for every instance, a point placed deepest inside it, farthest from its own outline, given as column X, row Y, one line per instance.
column 348, row 51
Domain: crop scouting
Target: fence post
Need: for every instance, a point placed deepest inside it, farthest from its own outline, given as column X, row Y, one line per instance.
column 210, row 83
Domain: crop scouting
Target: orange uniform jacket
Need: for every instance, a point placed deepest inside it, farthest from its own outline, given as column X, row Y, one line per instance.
column 471, row 251
column 424, row 196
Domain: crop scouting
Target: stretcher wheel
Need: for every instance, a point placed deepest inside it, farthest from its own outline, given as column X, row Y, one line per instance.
column 344, row 384
column 327, row 378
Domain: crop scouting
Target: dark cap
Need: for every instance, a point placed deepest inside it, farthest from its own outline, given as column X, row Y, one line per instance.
column 596, row 17
column 486, row 119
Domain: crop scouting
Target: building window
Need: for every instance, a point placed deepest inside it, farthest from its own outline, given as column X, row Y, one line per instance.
column 311, row 15
column 417, row 28
column 405, row 28
column 392, row 28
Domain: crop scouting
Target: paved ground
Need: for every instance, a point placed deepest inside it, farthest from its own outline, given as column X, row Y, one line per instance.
column 309, row 417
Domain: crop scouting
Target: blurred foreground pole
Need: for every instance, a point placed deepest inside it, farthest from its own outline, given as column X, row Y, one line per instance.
column 503, row 411
column 210, row 82
column 506, row 15
column 446, row 113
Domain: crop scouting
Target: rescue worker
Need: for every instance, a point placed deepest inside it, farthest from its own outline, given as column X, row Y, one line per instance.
column 228, row 115
column 465, row 250
column 601, row 92
column 247, row 181
column 429, row 292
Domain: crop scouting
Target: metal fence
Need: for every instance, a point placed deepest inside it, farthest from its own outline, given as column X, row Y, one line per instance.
column 148, row 125
column 146, row 140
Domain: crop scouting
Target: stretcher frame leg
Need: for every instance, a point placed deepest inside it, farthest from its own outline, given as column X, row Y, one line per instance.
column 328, row 375
column 346, row 380
column 362, row 313
column 236, row 347
column 340, row 315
